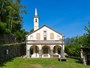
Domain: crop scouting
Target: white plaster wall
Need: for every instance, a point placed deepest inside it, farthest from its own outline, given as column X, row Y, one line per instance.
column 57, row 36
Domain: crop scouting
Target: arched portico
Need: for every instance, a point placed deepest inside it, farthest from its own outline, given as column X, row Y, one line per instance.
column 45, row 51
column 34, row 51
column 57, row 50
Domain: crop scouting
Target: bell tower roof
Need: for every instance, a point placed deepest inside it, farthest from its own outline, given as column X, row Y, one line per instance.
column 36, row 20
column 36, row 14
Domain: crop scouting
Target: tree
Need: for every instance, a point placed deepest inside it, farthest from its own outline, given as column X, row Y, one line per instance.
column 72, row 48
column 3, row 28
column 74, row 44
column 11, row 17
column 87, row 40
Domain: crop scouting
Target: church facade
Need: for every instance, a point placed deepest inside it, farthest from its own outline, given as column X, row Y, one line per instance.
column 44, row 42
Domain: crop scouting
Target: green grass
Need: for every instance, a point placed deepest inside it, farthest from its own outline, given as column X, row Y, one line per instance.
column 43, row 63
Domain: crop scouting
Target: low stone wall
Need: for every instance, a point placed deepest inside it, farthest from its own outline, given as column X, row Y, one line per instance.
column 7, row 38
column 9, row 52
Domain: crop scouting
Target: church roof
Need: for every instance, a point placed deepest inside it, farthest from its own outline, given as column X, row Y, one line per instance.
column 47, row 27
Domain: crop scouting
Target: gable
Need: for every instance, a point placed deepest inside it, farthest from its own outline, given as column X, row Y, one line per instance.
column 45, row 28
column 45, row 33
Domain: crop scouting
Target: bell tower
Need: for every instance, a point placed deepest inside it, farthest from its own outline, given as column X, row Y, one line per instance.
column 36, row 20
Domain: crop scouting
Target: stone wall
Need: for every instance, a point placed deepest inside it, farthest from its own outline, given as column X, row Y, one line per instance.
column 85, row 56
column 9, row 52
column 7, row 38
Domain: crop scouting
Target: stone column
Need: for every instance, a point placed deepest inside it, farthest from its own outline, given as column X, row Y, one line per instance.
column 62, row 52
column 27, row 51
column 40, row 51
column 51, row 52
column 34, row 50
column 62, row 49
column 84, row 59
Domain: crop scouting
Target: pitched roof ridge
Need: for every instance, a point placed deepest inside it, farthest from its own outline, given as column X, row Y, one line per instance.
column 47, row 27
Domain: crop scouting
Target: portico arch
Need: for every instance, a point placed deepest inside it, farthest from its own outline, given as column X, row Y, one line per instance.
column 57, row 49
column 34, row 50
column 45, row 49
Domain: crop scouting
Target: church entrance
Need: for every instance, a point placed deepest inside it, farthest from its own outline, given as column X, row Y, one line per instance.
column 46, row 51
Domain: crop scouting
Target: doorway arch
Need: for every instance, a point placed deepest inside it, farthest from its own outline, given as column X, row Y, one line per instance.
column 46, row 52
column 34, row 50
column 57, row 49
column 46, row 49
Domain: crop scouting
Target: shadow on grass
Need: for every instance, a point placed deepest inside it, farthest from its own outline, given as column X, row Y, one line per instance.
column 77, row 59
column 4, row 61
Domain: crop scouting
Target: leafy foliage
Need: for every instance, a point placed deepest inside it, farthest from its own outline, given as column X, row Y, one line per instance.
column 3, row 28
column 73, row 47
column 11, row 18
column 87, row 40
column 74, row 44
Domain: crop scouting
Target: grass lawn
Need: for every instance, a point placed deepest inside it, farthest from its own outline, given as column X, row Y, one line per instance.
column 43, row 63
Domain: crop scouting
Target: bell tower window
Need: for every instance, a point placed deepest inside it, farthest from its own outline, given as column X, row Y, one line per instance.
column 35, row 20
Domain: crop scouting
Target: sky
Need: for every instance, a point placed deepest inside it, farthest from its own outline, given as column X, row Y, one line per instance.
column 68, row 17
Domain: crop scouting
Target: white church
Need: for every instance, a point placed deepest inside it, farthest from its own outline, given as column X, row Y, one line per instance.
column 44, row 42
